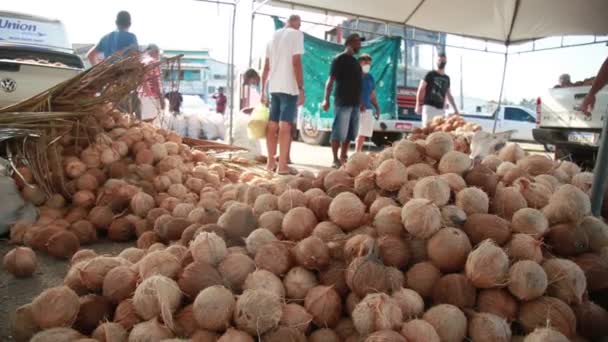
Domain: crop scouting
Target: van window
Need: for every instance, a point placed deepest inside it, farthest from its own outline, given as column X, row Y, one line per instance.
column 516, row 114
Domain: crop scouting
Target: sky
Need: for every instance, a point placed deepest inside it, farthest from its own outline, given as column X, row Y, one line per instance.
column 188, row 24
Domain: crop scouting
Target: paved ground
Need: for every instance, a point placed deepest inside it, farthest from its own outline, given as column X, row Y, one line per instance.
column 15, row 292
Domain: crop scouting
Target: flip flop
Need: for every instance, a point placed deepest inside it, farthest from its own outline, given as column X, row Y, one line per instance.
column 336, row 164
column 290, row 171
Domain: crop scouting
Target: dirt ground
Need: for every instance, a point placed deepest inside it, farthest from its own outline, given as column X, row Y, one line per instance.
column 15, row 292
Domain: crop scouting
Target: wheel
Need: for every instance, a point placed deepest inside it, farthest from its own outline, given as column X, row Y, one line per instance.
column 382, row 139
column 313, row 136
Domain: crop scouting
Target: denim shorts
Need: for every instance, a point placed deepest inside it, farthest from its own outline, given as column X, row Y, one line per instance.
column 346, row 123
column 283, row 107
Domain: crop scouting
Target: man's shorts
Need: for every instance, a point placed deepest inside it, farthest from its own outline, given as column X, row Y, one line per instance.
column 430, row 112
column 346, row 123
column 366, row 123
column 283, row 107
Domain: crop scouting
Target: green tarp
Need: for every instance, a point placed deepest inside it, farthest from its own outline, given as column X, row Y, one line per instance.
column 316, row 62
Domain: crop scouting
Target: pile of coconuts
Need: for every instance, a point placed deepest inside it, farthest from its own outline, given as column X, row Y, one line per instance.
column 414, row 243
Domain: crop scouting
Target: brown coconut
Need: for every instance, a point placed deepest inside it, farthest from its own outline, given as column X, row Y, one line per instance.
column 196, row 277
column 454, row 289
column 311, row 253
column 275, row 257
column 20, row 262
column 234, row 269
column 566, row 280
column 433, row 188
column 298, row 281
column 66, row 304
column 23, row 326
column 409, row 301
column 257, row 311
column 393, row 251
column 422, row 277
column 538, row 312
column 391, row 175
column 158, row 263
column 367, row 274
column 238, row 221
column 419, row 330
column 482, row 177
column 524, row 247
column 150, row 330
column 499, row 302
column 85, row 231
column 530, row 221
column 536, row 164
column 60, row 334
column 449, row 322
column 489, row 327
column 536, row 194
column 448, row 249
column 421, row 218
column 120, row 283
column 592, row 320
column 567, row 204
column 63, row 244
column 453, row 216
column 595, row 268
column 377, row 311
column 388, row 221
column 507, row 201
column 454, row 162
column 94, row 310
column 157, row 296
column 335, row 275
column 527, row 280
column 408, row 152
column 487, row 265
column 214, row 307
column 567, row 239
column 125, row 314
column 264, row 280
column 472, row 201
column 295, row 316
column 438, row 144
column 487, row 226
column 347, row 211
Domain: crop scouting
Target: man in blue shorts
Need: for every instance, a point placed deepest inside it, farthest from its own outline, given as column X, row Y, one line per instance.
column 119, row 40
column 347, row 74
column 283, row 74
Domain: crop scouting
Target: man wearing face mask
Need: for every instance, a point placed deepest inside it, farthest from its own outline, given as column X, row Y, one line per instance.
column 433, row 91
column 368, row 101
column 346, row 73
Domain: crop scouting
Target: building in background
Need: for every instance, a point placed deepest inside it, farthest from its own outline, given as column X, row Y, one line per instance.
column 192, row 75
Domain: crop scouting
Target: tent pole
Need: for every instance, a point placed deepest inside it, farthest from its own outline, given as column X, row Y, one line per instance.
column 231, row 74
column 600, row 173
column 502, row 87
column 251, row 35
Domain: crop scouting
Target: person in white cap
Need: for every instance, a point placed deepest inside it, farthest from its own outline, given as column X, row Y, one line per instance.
column 369, row 110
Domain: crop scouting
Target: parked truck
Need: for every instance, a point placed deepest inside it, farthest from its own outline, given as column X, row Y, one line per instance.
column 34, row 55
column 562, row 124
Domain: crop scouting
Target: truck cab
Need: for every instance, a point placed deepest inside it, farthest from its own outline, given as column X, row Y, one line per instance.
column 563, row 125
column 35, row 55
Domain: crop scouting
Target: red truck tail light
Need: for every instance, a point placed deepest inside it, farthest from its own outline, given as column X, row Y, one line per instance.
column 539, row 104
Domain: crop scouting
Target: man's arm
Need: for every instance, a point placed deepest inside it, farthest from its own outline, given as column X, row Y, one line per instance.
column 93, row 55
column 420, row 96
column 297, row 70
column 600, row 81
column 329, row 86
column 265, row 73
column 451, row 100
column 375, row 104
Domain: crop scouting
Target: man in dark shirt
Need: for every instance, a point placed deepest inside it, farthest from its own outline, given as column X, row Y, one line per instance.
column 433, row 91
column 119, row 40
column 220, row 101
column 346, row 73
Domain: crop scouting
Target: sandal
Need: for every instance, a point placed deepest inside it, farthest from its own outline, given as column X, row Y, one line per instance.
column 289, row 171
column 336, row 164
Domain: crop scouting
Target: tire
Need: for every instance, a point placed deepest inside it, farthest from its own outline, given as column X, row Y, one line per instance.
column 315, row 137
column 382, row 139
column 583, row 157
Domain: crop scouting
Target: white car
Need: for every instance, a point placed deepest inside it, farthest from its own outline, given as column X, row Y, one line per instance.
column 35, row 55
column 520, row 120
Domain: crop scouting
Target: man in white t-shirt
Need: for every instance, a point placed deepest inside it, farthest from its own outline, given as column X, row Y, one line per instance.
column 283, row 76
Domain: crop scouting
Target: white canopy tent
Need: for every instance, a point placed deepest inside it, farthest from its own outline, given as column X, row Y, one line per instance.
column 503, row 21
column 506, row 21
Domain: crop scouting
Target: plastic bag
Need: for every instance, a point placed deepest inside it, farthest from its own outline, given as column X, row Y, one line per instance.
column 256, row 129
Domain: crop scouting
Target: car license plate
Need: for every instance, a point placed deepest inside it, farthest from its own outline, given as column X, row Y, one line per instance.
column 584, row 138
column 403, row 126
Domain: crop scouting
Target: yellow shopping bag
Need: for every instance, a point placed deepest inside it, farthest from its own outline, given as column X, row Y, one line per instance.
column 256, row 129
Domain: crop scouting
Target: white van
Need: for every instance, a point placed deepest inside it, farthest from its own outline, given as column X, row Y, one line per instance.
column 35, row 55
